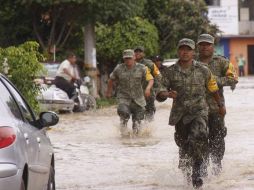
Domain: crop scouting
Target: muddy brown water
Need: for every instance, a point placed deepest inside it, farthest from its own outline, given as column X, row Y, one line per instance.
column 91, row 154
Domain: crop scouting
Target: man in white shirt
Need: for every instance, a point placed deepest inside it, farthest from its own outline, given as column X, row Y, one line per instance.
column 67, row 74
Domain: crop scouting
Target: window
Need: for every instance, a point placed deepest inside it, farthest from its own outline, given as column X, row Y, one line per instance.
column 8, row 106
column 25, row 109
column 213, row 2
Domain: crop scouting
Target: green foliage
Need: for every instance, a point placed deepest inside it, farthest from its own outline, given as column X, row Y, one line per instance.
column 24, row 63
column 176, row 19
column 105, row 102
column 112, row 40
column 15, row 24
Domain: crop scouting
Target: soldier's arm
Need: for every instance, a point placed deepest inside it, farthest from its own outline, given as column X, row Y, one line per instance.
column 112, row 78
column 214, row 89
column 156, row 72
column 164, row 91
column 229, row 77
column 150, row 80
column 109, row 88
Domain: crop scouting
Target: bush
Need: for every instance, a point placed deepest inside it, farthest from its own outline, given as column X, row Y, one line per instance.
column 24, row 66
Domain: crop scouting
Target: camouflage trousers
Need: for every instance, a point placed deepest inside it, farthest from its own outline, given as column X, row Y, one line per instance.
column 217, row 133
column 150, row 108
column 133, row 110
column 192, row 140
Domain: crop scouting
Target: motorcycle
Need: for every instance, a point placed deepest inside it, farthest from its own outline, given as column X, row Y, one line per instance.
column 55, row 99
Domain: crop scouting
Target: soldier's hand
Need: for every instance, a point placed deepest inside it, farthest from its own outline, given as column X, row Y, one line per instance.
column 172, row 94
column 222, row 110
column 147, row 93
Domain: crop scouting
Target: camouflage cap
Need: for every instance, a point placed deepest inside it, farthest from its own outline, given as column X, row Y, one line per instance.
column 206, row 38
column 128, row 53
column 186, row 42
column 140, row 48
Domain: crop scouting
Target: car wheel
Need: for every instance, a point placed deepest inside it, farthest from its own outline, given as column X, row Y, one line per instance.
column 51, row 181
column 22, row 186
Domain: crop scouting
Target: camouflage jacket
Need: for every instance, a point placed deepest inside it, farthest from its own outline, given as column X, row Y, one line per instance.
column 129, row 83
column 155, row 73
column 191, row 86
column 225, row 75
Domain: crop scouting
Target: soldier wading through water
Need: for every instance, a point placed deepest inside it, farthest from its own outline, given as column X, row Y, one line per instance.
column 187, row 82
column 225, row 75
column 130, row 77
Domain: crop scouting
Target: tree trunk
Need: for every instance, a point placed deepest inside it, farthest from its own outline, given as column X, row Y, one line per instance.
column 90, row 56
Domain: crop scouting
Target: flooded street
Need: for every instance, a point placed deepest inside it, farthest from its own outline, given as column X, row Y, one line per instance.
column 90, row 153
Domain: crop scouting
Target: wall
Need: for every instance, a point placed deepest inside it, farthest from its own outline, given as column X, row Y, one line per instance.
column 225, row 16
column 238, row 46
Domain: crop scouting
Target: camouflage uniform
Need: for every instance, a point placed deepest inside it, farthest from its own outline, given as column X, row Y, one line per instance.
column 225, row 75
column 150, row 106
column 189, row 113
column 130, row 93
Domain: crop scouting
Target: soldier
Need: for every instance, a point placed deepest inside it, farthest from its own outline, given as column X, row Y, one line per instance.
column 158, row 62
column 186, row 82
column 140, row 58
column 225, row 75
column 131, row 97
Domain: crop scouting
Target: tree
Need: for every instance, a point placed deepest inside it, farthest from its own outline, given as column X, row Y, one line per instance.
column 112, row 40
column 24, row 65
column 15, row 25
column 176, row 19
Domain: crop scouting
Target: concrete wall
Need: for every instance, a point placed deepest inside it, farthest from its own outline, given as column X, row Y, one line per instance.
column 238, row 46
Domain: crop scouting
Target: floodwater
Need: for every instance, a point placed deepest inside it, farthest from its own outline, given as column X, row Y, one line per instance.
column 91, row 154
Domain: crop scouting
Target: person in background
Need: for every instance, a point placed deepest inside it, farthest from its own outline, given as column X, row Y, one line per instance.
column 225, row 75
column 130, row 77
column 67, row 74
column 140, row 58
column 186, row 82
column 158, row 60
column 241, row 62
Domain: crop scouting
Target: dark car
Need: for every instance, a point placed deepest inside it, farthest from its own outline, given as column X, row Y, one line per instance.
column 26, row 154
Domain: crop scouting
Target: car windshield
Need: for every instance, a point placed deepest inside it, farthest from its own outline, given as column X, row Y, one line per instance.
column 51, row 69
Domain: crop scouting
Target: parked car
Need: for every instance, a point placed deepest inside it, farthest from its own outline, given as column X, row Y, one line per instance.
column 169, row 62
column 26, row 154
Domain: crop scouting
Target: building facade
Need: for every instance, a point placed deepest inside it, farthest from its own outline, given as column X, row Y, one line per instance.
column 235, row 19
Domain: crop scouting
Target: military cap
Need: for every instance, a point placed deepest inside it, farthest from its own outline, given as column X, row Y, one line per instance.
column 128, row 53
column 186, row 42
column 140, row 48
column 206, row 38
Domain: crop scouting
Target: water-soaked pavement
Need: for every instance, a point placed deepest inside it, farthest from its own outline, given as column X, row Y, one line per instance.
column 90, row 153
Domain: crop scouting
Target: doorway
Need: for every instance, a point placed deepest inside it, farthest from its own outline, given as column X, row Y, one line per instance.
column 251, row 59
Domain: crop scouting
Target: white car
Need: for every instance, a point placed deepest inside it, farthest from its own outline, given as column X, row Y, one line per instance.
column 169, row 62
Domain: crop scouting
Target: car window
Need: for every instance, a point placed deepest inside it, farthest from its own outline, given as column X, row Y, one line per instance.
column 28, row 115
column 7, row 104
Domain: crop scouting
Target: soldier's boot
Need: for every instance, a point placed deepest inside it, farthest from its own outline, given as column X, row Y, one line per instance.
column 197, row 181
column 149, row 116
column 136, row 125
column 216, row 167
column 123, row 127
column 184, row 166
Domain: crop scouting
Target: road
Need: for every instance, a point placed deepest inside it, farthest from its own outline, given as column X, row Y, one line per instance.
column 91, row 154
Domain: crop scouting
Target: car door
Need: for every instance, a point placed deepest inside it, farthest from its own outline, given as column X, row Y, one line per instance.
column 36, row 141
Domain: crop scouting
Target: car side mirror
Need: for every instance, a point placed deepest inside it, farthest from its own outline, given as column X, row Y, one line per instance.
column 48, row 119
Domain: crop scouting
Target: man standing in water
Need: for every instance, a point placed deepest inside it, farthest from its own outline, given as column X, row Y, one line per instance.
column 187, row 82
column 225, row 75
column 130, row 77
column 140, row 58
